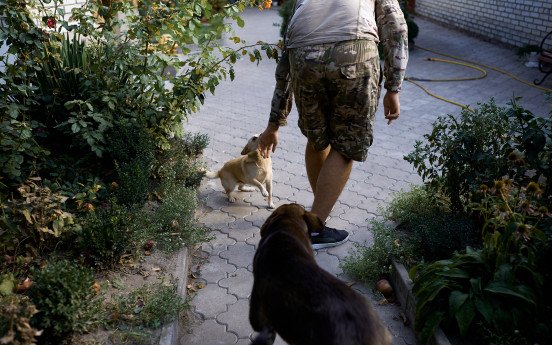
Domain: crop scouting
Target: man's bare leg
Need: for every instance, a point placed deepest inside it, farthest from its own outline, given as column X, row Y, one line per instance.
column 314, row 161
column 331, row 172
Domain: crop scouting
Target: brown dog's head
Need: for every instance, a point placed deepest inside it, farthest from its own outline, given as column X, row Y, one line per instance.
column 252, row 145
column 293, row 214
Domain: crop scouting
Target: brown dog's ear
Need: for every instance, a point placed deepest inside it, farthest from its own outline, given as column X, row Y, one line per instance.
column 313, row 222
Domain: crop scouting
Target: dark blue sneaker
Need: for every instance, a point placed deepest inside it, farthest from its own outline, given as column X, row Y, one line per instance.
column 328, row 237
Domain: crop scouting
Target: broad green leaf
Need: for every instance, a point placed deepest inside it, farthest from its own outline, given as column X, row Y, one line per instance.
column 464, row 316
column 456, row 300
column 520, row 292
column 485, row 308
column 7, row 284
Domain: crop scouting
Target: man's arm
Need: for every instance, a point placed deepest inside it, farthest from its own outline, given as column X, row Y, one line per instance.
column 282, row 98
column 393, row 35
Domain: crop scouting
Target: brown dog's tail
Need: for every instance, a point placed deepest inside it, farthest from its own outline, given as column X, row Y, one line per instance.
column 265, row 337
column 211, row 174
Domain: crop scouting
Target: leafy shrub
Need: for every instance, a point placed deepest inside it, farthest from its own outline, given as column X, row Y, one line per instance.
column 481, row 146
column 38, row 214
column 106, row 234
column 180, row 162
column 16, row 312
column 62, row 293
column 285, row 11
column 430, row 226
column 499, row 286
column 149, row 306
column 193, row 144
column 371, row 263
column 171, row 222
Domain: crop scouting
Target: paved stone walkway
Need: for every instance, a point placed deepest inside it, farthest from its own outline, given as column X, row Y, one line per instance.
column 240, row 109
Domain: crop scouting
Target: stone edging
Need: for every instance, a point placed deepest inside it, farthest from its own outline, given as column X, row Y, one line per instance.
column 169, row 333
column 402, row 284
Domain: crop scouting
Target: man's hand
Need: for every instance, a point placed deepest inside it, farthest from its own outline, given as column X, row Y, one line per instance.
column 391, row 106
column 268, row 140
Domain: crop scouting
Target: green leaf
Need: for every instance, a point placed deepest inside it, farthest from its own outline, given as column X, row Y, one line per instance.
column 454, row 273
column 7, row 284
column 456, row 300
column 464, row 316
column 485, row 308
column 240, row 22
column 519, row 292
column 430, row 325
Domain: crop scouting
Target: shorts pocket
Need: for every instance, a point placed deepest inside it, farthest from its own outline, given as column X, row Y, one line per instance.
column 356, row 70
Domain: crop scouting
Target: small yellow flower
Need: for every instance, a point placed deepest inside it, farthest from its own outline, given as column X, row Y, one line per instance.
column 533, row 188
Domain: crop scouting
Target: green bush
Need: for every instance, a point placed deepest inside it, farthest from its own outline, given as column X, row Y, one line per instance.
column 431, row 227
column 62, row 293
column 374, row 262
column 171, row 222
column 180, row 162
column 285, row 11
column 15, row 313
column 34, row 219
column 498, row 289
column 149, row 306
column 106, row 234
column 62, row 95
column 481, row 146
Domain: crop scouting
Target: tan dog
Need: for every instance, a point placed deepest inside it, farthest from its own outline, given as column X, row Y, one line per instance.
column 251, row 168
column 294, row 297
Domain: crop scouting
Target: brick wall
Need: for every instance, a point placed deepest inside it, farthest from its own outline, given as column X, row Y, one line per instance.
column 68, row 5
column 514, row 22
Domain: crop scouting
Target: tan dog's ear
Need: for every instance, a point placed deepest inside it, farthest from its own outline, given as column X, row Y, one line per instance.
column 252, row 145
column 313, row 222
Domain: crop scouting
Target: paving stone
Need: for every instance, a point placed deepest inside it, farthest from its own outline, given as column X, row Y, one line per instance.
column 328, row 262
column 240, row 254
column 261, row 202
column 343, row 250
column 258, row 218
column 216, row 269
column 237, row 318
column 217, row 199
column 238, row 283
column 209, row 332
column 284, row 191
column 239, row 210
column 242, row 230
column 212, row 300
column 351, row 198
column 218, row 244
column 217, row 220
column 304, row 198
column 254, row 241
column 363, row 237
column 356, row 216
column 372, row 206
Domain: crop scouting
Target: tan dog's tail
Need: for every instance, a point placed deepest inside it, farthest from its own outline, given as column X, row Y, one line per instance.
column 212, row 174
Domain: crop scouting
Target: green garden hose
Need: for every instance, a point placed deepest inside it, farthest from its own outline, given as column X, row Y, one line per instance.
column 466, row 63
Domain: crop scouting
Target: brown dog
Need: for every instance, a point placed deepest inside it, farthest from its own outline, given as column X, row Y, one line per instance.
column 251, row 168
column 294, row 297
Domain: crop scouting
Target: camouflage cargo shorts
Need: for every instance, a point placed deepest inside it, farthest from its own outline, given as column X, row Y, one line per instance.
column 336, row 88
